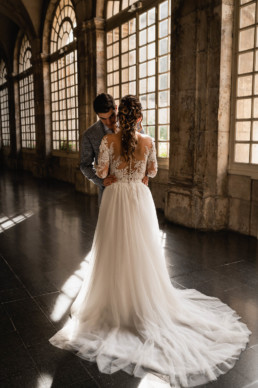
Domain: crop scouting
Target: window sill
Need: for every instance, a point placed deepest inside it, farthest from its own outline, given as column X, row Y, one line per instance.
column 242, row 169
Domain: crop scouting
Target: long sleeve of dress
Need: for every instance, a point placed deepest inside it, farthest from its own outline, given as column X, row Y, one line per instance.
column 103, row 159
column 87, row 162
column 152, row 165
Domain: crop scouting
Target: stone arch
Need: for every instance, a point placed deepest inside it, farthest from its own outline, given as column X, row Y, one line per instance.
column 16, row 11
column 48, row 24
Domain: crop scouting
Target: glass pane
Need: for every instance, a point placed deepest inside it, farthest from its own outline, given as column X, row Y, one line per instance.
column 124, row 61
column 143, row 70
column 151, row 84
column 254, row 154
column 132, row 87
column 151, row 100
column 109, row 9
column 132, row 73
column 246, row 39
column 163, row 116
column 163, row 150
column 109, row 65
column 163, row 28
column 151, row 132
column 151, row 51
column 256, row 84
column 245, row 63
column 163, row 81
column 143, row 37
column 151, row 33
column 163, row 64
column 255, row 131
column 144, row 103
column 116, row 34
column 132, row 42
column 163, row 132
column 247, row 15
column 132, row 57
column 151, row 16
column 143, row 86
column 242, row 153
column 132, row 26
column 244, row 1
column 163, row 10
column 125, row 45
column 244, row 108
column 163, row 98
column 243, row 130
column 255, row 108
column 163, row 46
column 143, row 54
column 151, row 67
column 125, row 89
column 109, row 37
column 151, row 117
column 125, row 75
column 116, row 77
column 143, row 20
column 244, row 86
column 125, row 30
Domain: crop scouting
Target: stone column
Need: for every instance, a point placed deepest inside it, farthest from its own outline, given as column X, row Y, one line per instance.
column 39, row 168
column 92, row 80
column 197, row 194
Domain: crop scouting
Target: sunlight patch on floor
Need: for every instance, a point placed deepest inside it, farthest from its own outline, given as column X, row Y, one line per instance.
column 69, row 291
column 7, row 222
column 45, row 381
column 152, row 381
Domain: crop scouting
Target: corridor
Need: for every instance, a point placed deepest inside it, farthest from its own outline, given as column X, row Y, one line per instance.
column 46, row 232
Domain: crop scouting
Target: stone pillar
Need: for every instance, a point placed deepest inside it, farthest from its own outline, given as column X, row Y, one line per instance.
column 197, row 195
column 92, row 80
column 39, row 168
column 14, row 141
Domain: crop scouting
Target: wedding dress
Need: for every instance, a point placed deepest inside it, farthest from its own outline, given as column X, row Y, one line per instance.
column 127, row 314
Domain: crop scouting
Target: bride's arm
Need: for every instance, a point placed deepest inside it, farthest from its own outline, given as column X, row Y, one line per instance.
column 152, row 165
column 103, row 159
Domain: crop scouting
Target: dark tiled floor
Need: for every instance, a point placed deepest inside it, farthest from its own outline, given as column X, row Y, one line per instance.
column 46, row 231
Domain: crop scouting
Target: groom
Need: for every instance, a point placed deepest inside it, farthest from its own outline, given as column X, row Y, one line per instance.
column 105, row 107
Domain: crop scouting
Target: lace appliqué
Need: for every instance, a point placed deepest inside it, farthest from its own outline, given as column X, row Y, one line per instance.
column 134, row 170
column 103, row 159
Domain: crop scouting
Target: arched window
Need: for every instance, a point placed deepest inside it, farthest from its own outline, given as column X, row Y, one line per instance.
column 4, row 107
column 64, row 79
column 26, row 96
column 244, row 150
column 138, row 62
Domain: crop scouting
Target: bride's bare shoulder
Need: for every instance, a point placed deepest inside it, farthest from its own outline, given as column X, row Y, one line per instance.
column 145, row 139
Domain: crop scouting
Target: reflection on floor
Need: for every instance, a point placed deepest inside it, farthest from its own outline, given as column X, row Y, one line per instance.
column 46, row 231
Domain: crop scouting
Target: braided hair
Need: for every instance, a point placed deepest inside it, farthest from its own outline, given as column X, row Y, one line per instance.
column 129, row 110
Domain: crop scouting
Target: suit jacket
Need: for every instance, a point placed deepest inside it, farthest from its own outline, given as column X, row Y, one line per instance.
column 91, row 140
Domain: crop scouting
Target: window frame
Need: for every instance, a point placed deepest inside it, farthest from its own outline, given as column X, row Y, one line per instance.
column 55, row 57
column 238, row 168
column 117, row 21
column 21, row 76
column 4, row 91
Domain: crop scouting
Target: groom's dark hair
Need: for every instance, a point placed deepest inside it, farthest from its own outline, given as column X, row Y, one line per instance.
column 103, row 103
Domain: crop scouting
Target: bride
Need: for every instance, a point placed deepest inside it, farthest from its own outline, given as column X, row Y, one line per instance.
column 127, row 314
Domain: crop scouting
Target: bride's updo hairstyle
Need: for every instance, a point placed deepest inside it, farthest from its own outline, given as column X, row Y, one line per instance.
column 129, row 110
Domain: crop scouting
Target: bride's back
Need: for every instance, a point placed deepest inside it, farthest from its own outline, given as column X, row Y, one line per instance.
column 142, row 162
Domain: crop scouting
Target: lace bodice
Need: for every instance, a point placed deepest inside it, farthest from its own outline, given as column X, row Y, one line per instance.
column 110, row 160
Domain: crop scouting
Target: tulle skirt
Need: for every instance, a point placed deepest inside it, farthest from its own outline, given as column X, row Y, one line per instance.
column 128, row 315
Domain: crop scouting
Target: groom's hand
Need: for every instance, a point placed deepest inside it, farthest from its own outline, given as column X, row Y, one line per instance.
column 145, row 180
column 109, row 180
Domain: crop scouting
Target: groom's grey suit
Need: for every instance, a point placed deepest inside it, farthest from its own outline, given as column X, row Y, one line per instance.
column 91, row 140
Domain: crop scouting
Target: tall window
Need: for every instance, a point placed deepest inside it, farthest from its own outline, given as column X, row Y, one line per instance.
column 4, row 107
column 26, row 96
column 138, row 62
column 245, row 120
column 64, row 79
